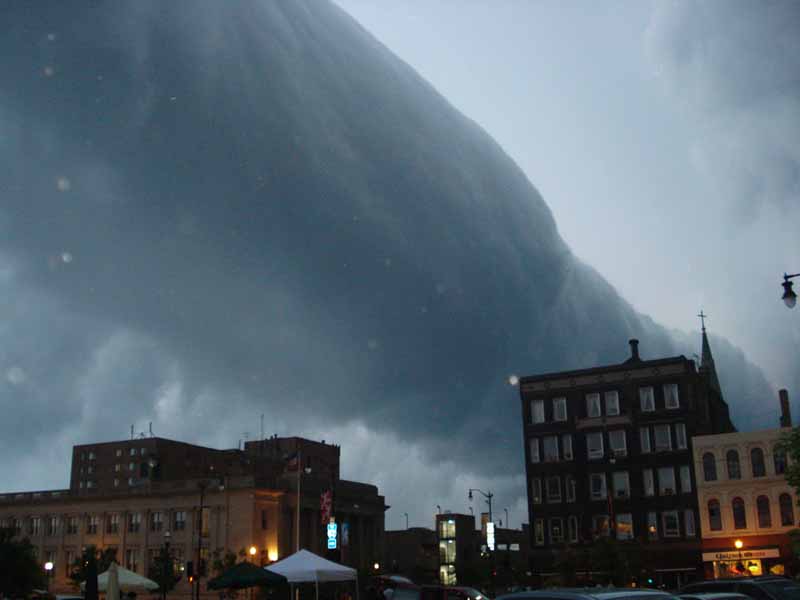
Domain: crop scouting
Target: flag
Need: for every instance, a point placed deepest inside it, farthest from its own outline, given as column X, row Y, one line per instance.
column 293, row 462
column 325, row 506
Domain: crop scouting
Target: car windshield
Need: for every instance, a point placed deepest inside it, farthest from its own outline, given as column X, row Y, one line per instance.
column 782, row 589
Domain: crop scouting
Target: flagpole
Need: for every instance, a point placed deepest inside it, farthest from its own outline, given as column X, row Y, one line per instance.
column 297, row 527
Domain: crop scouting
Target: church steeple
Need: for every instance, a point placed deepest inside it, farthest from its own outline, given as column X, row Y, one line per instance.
column 707, row 359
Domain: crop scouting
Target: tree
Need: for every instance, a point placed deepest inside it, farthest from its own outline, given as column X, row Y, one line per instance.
column 104, row 558
column 222, row 562
column 21, row 571
column 163, row 571
column 790, row 445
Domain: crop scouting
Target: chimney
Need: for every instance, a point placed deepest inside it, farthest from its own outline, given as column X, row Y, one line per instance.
column 786, row 413
column 634, row 350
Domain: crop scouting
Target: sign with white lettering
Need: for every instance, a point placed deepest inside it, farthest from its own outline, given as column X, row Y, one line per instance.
column 490, row 535
column 331, row 530
column 744, row 554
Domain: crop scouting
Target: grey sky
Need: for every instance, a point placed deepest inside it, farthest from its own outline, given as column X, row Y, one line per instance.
column 189, row 242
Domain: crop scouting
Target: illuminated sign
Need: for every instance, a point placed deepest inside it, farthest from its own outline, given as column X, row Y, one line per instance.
column 490, row 535
column 331, row 535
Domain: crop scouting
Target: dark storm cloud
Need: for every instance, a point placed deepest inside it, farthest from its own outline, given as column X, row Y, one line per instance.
column 256, row 208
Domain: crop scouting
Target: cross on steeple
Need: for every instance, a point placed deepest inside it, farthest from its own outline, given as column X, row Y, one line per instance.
column 703, row 317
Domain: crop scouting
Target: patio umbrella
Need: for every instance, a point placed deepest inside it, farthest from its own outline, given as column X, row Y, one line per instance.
column 112, row 586
column 245, row 575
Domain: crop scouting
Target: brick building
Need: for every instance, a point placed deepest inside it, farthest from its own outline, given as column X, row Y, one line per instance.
column 128, row 494
column 608, row 453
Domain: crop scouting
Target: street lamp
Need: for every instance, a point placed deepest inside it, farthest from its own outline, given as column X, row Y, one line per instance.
column 739, row 544
column 253, row 551
column 48, row 567
column 438, row 509
column 406, row 514
column 488, row 495
column 789, row 297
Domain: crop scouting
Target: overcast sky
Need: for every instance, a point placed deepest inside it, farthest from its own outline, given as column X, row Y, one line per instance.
column 188, row 242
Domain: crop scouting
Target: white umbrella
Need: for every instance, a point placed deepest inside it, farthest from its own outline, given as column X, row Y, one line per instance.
column 128, row 582
column 112, row 588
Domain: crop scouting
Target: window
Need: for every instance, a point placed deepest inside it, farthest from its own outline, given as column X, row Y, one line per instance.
column 534, row 446
column 617, row 443
column 69, row 560
column 647, row 401
column 537, row 411
column 205, row 520
column 593, row 405
column 757, row 462
column 734, row 471
column 133, row 452
column 131, row 481
column 89, row 470
column 156, row 521
column 612, row 403
column 680, row 436
column 762, row 508
column 131, row 466
column 92, row 524
column 559, row 409
column 670, row 523
column 666, row 481
column 686, row 479
column 624, row 523
column 112, row 523
column 671, row 399
column 132, row 559
column 179, row 521
column 649, row 482
column 601, row 525
column 553, row 489
column 134, row 522
column 118, row 452
column 142, row 451
column 739, row 514
column 644, row 439
column 17, row 526
column 779, row 458
column 550, row 445
column 569, row 484
column 566, row 446
column 663, row 438
column 90, row 484
column 52, row 526
column 787, row 512
column 538, row 532
column 714, row 515
column 594, row 444
column 264, row 519
column 556, row 531
column 91, row 456
column 572, row 529
column 597, row 486
column 652, row 526
column 447, row 529
column 536, row 491
column 709, row 467
column 621, row 484
column 447, row 551
column 72, row 525
column 688, row 522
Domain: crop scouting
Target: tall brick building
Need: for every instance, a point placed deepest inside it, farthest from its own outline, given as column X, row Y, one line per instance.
column 127, row 494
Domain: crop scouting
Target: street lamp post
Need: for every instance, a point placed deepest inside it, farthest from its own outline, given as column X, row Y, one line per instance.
column 438, row 509
column 406, row 514
column 739, row 544
column 166, row 565
column 48, row 569
column 789, row 297
column 488, row 495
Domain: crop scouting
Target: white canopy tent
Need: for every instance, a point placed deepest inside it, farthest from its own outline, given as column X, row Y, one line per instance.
column 306, row 567
column 128, row 581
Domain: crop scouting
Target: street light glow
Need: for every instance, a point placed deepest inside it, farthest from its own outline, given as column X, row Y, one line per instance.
column 253, row 550
column 48, row 566
column 376, row 566
column 738, row 544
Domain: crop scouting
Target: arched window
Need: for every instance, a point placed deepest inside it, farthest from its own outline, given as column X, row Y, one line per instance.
column 764, row 516
column 757, row 462
column 779, row 457
column 714, row 515
column 787, row 512
column 709, row 467
column 734, row 472
column 739, row 514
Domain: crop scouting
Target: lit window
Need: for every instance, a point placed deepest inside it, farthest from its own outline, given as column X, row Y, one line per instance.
column 550, row 445
column 572, row 529
column 670, row 523
column 652, row 526
column 536, row 491
column 133, row 452
column 646, row 399
column 556, row 531
column 594, row 444
column 597, row 486
column 534, row 447
column 553, row 489
column 644, row 440
column 624, row 526
column 649, row 482
column 663, row 438
column 617, row 442
column 117, row 468
column 621, row 484
column 666, row 481
column 686, row 479
column 559, row 409
column 593, row 405
column 601, row 525
column 680, row 436
column 566, row 446
column 537, row 411
column 90, row 484
column 119, row 452
column 688, row 520
column 671, row 399
column 612, row 403
column 91, row 456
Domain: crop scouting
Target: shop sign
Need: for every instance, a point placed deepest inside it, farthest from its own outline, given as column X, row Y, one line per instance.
column 744, row 554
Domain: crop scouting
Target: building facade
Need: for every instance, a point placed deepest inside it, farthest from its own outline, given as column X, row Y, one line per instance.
column 127, row 495
column 608, row 454
column 743, row 495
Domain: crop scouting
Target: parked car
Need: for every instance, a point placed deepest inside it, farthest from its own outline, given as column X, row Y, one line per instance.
column 436, row 592
column 758, row 588
column 714, row 596
column 590, row 594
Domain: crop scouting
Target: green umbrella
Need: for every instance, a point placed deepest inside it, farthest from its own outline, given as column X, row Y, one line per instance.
column 245, row 575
